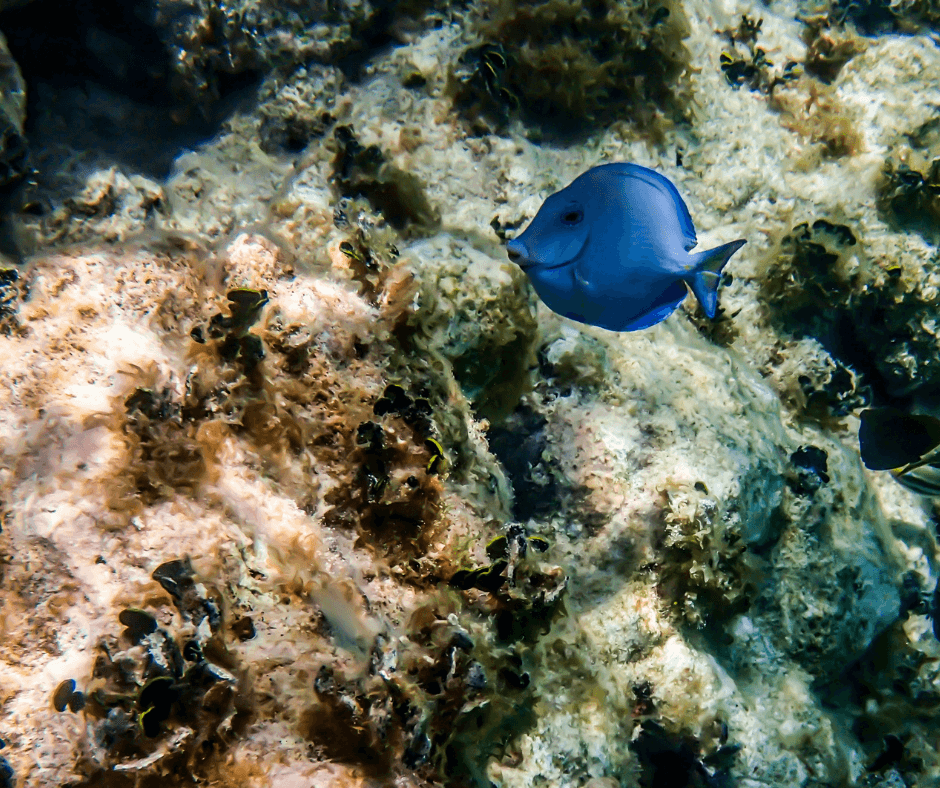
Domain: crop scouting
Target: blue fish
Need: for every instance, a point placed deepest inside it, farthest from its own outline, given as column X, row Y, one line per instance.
column 611, row 249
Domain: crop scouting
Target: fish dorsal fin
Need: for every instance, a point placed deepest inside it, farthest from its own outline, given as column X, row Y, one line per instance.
column 663, row 184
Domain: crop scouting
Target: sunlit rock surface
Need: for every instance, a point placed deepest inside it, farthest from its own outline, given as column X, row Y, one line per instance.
column 301, row 485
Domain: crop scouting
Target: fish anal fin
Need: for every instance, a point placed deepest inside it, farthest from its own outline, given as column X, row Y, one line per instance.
column 664, row 306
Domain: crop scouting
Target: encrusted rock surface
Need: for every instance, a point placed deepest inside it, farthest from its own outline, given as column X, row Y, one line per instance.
column 301, row 485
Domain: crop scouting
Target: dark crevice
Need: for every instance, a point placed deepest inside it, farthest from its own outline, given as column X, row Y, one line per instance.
column 99, row 81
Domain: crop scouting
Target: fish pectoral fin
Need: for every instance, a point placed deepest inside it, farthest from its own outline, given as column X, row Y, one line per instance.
column 581, row 280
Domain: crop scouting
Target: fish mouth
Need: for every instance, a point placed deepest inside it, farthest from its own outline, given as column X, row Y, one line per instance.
column 518, row 259
column 527, row 264
column 524, row 263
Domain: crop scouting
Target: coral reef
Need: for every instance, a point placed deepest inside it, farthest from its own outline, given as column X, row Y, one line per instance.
column 210, row 41
column 301, row 485
column 876, row 16
column 799, row 92
column 569, row 68
column 363, row 172
column 297, row 108
column 909, row 190
column 159, row 705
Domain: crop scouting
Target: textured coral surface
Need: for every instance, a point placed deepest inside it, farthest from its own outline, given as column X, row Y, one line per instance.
column 300, row 485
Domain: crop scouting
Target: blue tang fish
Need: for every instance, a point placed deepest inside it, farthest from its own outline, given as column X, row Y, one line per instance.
column 612, row 249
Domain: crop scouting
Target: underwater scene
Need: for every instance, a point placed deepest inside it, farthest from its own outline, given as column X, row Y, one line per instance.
column 469, row 393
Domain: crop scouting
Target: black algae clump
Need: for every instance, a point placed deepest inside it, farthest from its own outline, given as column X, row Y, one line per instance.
column 165, row 456
column 833, row 393
column 374, row 474
column 810, row 282
column 9, row 300
column 162, row 700
column 671, row 761
column 749, row 70
column 65, row 696
column 395, row 491
column 372, row 266
column 480, row 84
column 745, row 64
column 364, row 172
column 810, row 467
column 570, row 67
column 414, row 412
column 432, row 701
column 178, row 580
column 138, row 623
column 523, row 598
column 233, row 340
column 910, row 197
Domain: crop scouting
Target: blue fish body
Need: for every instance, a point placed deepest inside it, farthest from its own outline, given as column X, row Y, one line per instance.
column 612, row 249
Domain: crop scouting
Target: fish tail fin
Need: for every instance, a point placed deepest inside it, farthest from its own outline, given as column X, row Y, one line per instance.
column 705, row 274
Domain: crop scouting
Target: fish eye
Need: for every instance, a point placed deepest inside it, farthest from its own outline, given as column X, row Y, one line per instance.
column 572, row 216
